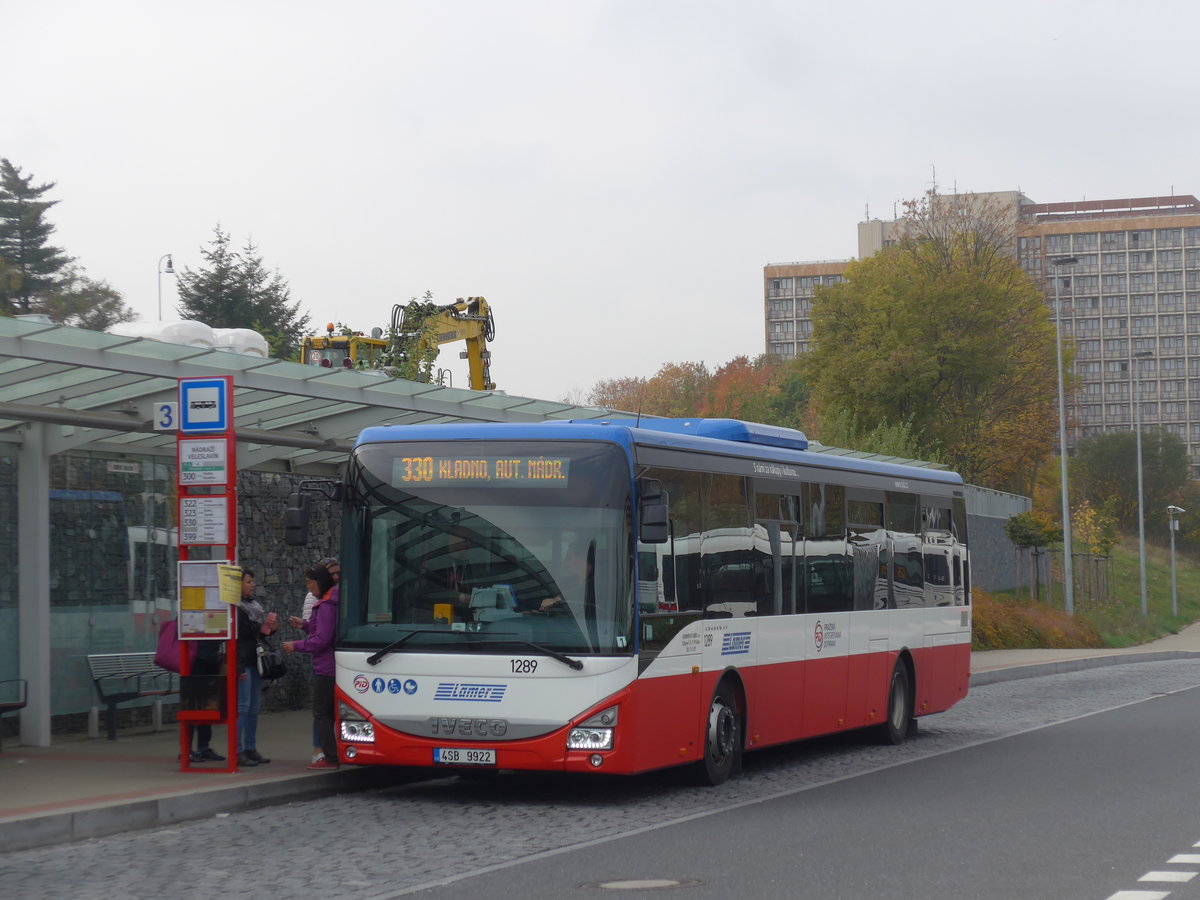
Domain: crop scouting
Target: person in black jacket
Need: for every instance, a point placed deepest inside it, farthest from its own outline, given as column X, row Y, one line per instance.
column 253, row 621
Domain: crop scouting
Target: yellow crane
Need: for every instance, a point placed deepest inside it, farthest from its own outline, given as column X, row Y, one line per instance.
column 417, row 331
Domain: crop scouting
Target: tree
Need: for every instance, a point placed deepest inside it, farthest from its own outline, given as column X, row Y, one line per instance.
column 842, row 428
column 10, row 283
column 1031, row 531
column 789, row 404
column 235, row 290
column 676, row 390
column 747, row 390
column 1095, row 534
column 24, row 236
column 83, row 302
column 766, row 389
column 1104, row 473
column 944, row 331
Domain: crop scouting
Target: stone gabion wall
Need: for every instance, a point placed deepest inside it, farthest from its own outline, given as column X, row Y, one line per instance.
column 279, row 569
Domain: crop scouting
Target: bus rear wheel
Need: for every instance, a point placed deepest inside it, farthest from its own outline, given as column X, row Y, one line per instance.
column 722, row 737
column 900, row 706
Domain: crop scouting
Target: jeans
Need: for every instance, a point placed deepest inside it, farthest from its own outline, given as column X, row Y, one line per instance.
column 249, row 700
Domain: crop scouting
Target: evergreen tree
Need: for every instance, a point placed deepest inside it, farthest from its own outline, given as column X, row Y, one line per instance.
column 235, row 290
column 24, row 236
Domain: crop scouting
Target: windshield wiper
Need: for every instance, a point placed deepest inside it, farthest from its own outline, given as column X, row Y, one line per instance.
column 374, row 658
column 546, row 651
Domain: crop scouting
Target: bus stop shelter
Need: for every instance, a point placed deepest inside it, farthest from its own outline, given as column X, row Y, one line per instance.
column 69, row 389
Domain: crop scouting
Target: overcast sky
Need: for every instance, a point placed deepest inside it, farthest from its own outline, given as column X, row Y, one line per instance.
column 612, row 176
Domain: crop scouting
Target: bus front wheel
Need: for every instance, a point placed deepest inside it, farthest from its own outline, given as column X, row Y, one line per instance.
column 722, row 737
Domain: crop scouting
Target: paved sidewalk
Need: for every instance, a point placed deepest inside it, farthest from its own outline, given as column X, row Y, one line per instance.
column 88, row 787
column 990, row 666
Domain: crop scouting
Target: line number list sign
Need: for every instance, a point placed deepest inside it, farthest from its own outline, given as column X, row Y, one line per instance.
column 204, row 520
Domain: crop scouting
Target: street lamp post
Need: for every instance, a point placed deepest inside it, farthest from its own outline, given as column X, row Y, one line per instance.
column 1068, row 561
column 1137, row 361
column 1172, row 513
column 169, row 270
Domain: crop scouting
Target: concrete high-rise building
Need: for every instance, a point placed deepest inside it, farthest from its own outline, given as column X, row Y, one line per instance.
column 1128, row 281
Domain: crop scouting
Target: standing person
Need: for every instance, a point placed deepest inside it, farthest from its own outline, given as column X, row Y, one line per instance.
column 207, row 662
column 253, row 621
column 321, row 629
column 310, row 600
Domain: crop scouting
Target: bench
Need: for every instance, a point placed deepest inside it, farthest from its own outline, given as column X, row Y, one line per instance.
column 121, row 677
column 14, row 694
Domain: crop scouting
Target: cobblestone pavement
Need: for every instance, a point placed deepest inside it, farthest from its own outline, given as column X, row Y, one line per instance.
column 382, row 844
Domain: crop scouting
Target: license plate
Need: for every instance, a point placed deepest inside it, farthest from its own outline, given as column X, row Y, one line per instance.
column 463, row 756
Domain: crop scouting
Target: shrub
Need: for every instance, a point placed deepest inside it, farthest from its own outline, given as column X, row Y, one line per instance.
column 1007, row 624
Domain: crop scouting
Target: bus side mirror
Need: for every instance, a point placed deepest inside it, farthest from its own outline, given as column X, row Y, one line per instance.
column 654, row 526
column 295, row 519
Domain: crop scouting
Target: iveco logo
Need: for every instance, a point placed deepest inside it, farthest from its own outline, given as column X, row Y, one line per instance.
column 469, row 727
column 485, row 693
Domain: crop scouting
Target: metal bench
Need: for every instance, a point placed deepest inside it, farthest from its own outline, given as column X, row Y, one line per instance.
column 121, row 677
column 14, row 694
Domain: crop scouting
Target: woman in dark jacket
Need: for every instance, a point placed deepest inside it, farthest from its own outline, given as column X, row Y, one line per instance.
column 253, row 622
column 321, row 629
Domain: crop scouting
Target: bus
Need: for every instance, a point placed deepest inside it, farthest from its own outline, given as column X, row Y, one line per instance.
column 621, row 597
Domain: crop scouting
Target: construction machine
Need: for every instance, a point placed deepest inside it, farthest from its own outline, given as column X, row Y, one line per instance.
column 410, row 346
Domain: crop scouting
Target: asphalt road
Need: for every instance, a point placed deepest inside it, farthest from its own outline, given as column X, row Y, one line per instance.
column 1070, row 786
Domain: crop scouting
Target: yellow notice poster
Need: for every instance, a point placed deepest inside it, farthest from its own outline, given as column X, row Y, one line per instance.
column 230, row 581
column 191, row 597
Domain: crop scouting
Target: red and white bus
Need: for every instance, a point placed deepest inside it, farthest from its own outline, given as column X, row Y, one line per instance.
column 616, row 597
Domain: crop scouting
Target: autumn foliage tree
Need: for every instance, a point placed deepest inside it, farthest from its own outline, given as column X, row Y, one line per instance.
column 764, row 389
column 946, row 332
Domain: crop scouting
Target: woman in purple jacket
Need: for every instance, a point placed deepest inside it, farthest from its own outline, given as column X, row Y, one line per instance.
column 321, row 629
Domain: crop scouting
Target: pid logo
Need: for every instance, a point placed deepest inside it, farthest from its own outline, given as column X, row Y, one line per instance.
column 362, row 684
column 819, row 636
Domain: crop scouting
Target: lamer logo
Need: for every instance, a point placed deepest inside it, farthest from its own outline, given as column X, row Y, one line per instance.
column 468, row 727
column 484, row 693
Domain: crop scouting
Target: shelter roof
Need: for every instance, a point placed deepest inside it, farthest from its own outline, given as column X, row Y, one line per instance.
column 103, row 391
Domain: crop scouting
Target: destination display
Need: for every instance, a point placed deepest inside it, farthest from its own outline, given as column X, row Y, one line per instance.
column 481, row 471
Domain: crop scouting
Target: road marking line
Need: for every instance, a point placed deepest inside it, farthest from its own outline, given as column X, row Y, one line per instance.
column 1179, row 877
column 1140, row 895
column 1185, row 859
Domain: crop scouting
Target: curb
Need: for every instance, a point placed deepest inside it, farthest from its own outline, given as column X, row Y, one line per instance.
column 100, row 819
column 1058, row 667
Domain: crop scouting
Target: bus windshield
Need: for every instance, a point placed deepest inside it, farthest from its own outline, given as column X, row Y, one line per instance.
column 501, row 547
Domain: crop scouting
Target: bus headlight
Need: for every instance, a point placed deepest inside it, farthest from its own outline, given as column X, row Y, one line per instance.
column 590, row 739
column 354, row 728
column 596, row 733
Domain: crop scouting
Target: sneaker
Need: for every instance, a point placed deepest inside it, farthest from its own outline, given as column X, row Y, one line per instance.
column 246, row 762
column 322, row 763
column 208, row 754
column 257, row 757
column 317, row 756
column 196, row 756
